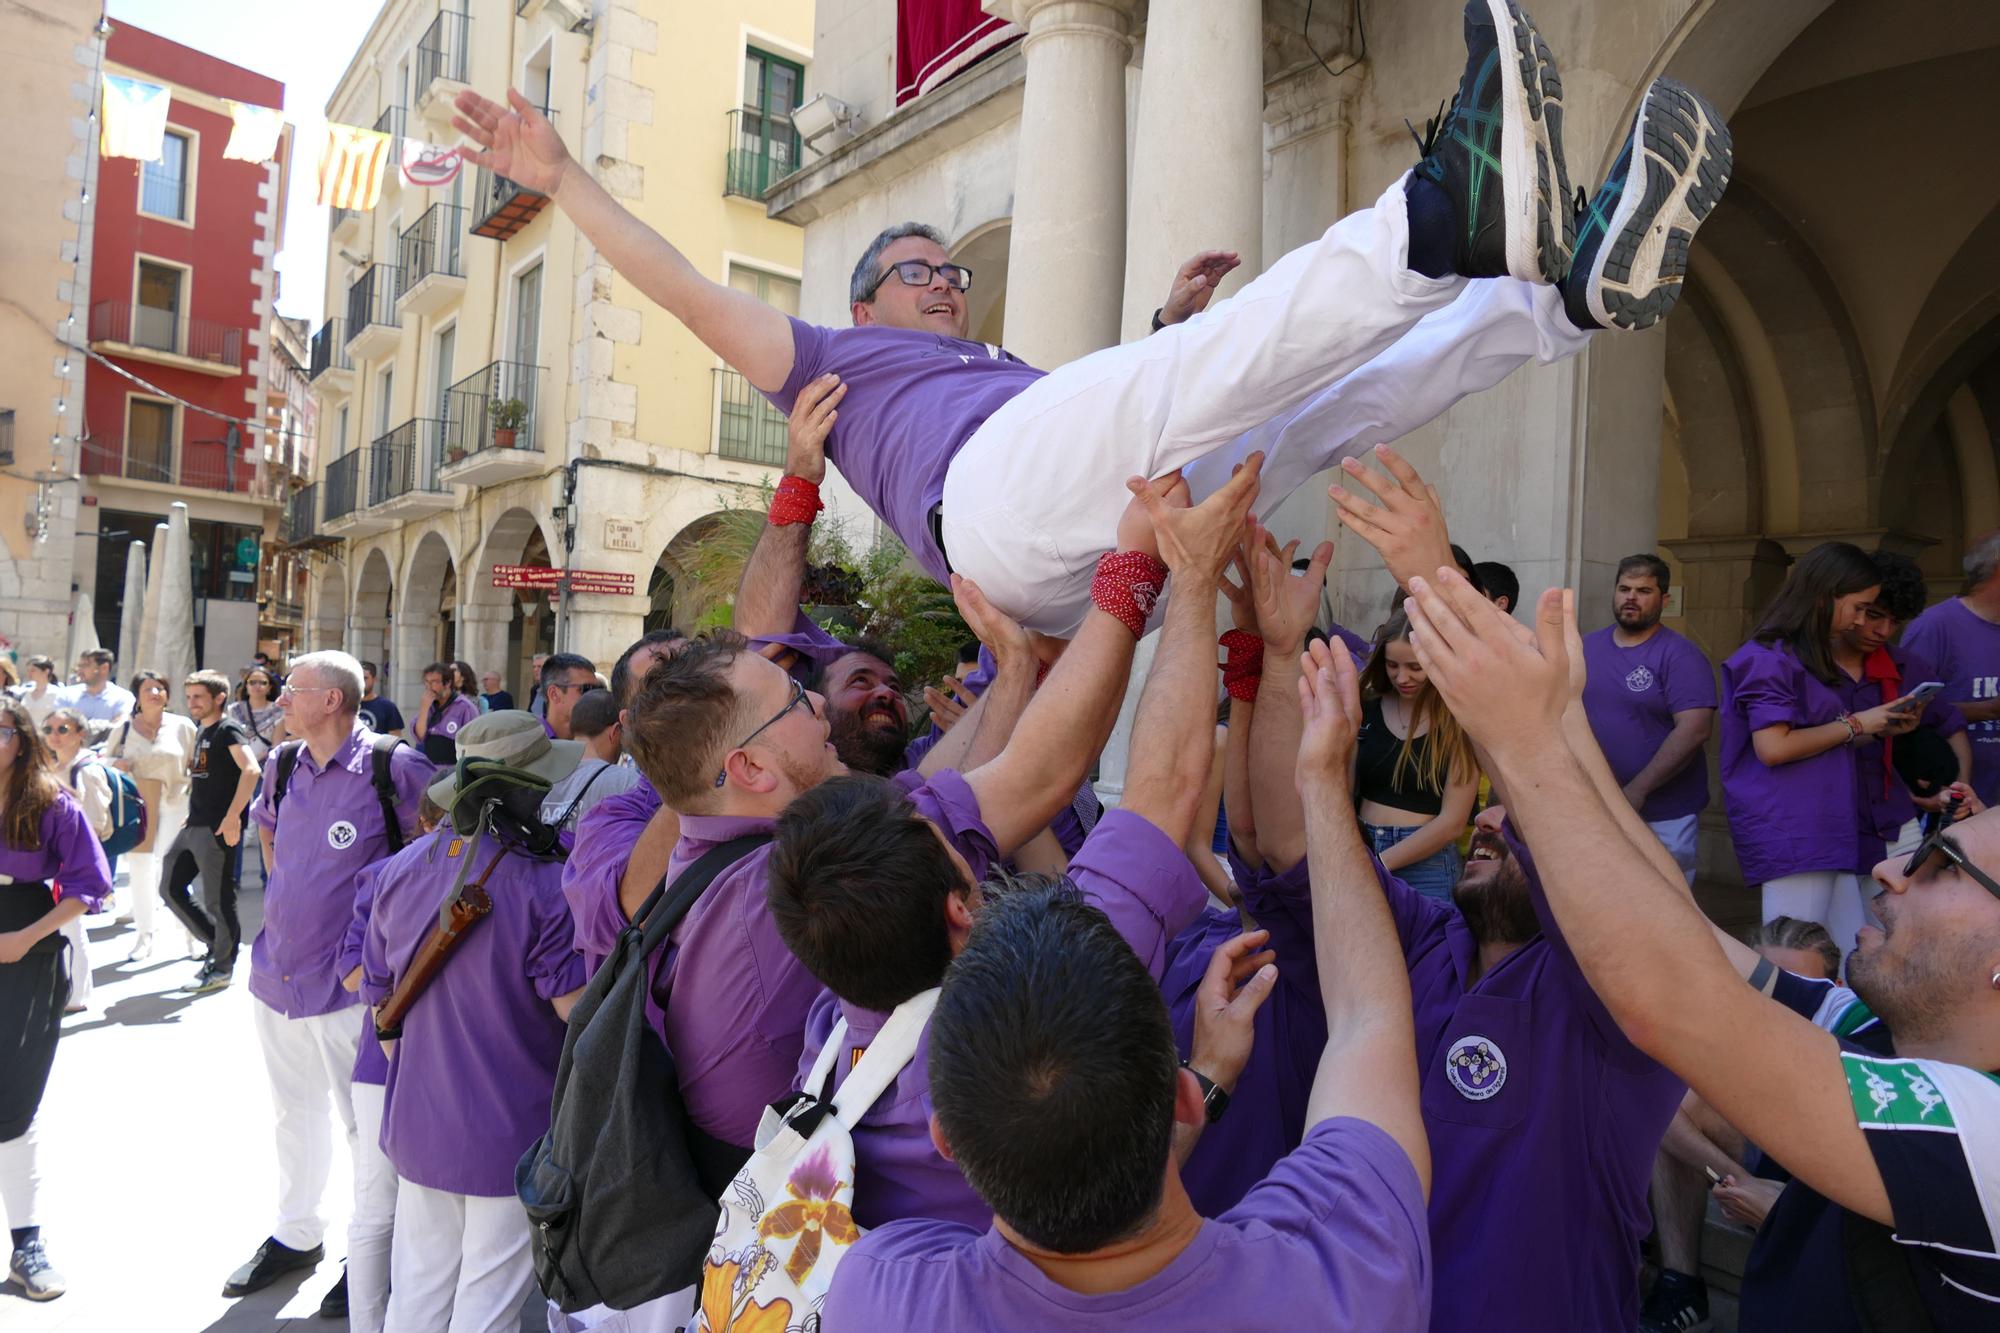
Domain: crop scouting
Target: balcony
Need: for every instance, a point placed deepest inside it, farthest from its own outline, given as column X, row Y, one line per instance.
column 205, row 465
column 372, row 327
column 6, row 435
column 344, row 224
column 429, row 255
column 390, row 122
column 403, row 471
column 300, row 521
column 329, row 367
column 763, row 148
column 442, row 55
column 343, row 514
column 564, row 14
column 500, row 208
column 479, row 448
column 164, row 338
column 747, row 428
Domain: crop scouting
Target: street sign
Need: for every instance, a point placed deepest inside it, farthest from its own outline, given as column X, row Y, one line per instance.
column 543, row 577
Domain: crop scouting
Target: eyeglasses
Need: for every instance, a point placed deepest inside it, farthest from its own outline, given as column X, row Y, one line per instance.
column 59, row 729
column 294, row 691
column 916, row 273
column 1938, row 840
column 8, row 734
column 798, row 697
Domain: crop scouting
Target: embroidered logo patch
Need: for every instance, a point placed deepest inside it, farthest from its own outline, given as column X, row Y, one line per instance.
column 341, row 835
column 1477, row 1067
column 1640, row 680
column 451, row 728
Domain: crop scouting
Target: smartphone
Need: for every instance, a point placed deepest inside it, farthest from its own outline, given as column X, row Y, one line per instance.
column 1711, row 1175
column 1917, row 696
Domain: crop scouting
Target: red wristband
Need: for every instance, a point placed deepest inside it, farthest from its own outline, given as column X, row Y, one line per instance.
column 1127, row 586
column 1245, row 664
column 797, row 501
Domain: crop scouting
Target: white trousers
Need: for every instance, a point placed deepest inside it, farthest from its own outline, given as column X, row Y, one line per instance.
column 1681, row 838
column 309, row 1061
column 1335, row 347
column 21, row 1178
column 663, row 1314
column 460, row 1263
column 77, row 960
column 143, row 870
column 1830, row 897
column 374, row 1221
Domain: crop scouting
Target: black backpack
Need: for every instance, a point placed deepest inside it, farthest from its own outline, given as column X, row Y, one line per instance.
column 385, row 784
column 622, row 1188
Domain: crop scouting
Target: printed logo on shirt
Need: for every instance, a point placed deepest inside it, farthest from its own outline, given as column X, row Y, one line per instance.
column 1640, row 680
column 341, row 835
column 451, row 728
column 1476, row 1066
column 1896, row 1094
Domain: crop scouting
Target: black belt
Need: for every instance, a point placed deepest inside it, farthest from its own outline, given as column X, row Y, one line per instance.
column 936, row 521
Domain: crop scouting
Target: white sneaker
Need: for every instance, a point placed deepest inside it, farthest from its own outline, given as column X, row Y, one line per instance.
column 142, row 948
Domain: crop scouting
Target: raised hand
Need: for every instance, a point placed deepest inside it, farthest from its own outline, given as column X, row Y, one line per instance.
column 1225, row 1007
column 990, row 625
column 1286, row 602
column 1194, row 284
column 1330, row 703
column 1135, row 525
column 811, row 422
column 1407, row 528
column 1200, row 540
column 1242, row 606
column 1506, row 684
column 515, row 141
column 946, row 702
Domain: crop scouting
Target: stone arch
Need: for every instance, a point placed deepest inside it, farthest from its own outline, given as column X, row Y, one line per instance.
column 426, row 621
column 681, row 590
column 1957, row 329
column 501, row 629
column 1714, row 423
column 984, row 250
column 369, row 608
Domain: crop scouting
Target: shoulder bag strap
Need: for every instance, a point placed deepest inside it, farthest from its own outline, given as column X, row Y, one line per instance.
column 822, row 1070
column 288, row 759
column 893, row 1048
column 385, row 789
column 671, row 901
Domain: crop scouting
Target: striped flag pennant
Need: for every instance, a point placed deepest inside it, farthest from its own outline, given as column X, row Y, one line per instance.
column 135, row 119
column 352, row 167
column 254, row 132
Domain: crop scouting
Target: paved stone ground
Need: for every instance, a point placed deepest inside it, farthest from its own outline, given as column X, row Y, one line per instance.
column 158, row 1172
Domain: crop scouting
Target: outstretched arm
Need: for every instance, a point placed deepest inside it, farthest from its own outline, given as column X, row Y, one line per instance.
column 518, row 142
column 767, row 596
column 986, row 727
column 1285, row 604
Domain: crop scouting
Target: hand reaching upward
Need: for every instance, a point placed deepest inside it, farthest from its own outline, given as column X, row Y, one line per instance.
column 515, row 141
column 1200, row 540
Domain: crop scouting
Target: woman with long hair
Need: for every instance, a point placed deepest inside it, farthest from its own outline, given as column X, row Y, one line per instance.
column 155, row 746
column 257, row 710
column 1808, row 728
column 1414, row 774
column 66, row 731
column 466, row 681
column 42, row 694
column 44, row 838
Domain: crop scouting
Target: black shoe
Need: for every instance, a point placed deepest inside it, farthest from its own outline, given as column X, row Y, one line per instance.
column 271, row 1262
column 333, row 1305
column 1498, row 153
column 1632, row 239
column 1678, row 1303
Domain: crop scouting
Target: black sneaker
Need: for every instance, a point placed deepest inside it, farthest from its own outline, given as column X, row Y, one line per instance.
column 1632, row 239
column 1678, row 1303
column 333, row 1305
column 30, row 1267
column 200, row 977
column 1498, row 153
column 213, row 979
column 271, row 1262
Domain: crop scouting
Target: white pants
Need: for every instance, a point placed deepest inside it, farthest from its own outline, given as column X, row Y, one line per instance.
column 1830, row 897
column 21, row 1178
column 460, row 1263
column 78, row 961
column 1681, row 839
column 309, row 1060
column 143, row 869
column 663, row 1314
column 1308, row 362
column 374, row 1221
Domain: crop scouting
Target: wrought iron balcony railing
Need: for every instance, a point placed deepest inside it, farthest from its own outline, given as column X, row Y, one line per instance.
column 329, row 350
column 497, row 406
column 763, row 149
column 406, row 460
column 158, row 330
column 431, row 245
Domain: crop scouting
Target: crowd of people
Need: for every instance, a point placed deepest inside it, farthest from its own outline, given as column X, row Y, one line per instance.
column 723, row 991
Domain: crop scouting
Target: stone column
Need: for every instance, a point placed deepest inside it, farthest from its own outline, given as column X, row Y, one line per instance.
column 414, row 648
column 1066, row 252
column 367, row 638
column 482, row 634
column 1198, row 155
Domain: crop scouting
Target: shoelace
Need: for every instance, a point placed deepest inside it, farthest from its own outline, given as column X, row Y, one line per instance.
column 1582, row 202
column 1434, row 129
column 31, row 1259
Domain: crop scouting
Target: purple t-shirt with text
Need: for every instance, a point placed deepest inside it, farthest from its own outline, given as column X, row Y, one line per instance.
column 1631, row 698
column 1965, row 649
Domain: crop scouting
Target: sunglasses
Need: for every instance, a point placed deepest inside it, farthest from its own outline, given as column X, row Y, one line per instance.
column 1939, row 842
column 58, row 729
column 798, row 697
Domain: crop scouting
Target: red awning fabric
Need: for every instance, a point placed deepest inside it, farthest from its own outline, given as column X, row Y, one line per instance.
column 936, row 39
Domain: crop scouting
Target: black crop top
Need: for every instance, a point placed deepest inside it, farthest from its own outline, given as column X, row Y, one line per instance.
column 1375, row 752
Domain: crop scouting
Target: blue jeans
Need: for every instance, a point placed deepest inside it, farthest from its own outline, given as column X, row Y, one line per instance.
column 1435, row 876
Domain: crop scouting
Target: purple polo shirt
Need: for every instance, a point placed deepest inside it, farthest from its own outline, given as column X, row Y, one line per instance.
column 442, row 725
column 1833, row 811
column 1965, row 648
column 70, row 859
column 371, row 1064
column 470, row 1081
column 1127, row 867
column 605, row 837
column 913, row 400
column 331, row 827
column 1631, row 698
column 1335, row 1237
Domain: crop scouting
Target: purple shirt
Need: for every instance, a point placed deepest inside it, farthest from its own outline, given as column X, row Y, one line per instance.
column 371, row 1063
column 1127, row 867
column 605, row 837
column 1965, row 648
column 1631, row 698
column 332, row 827
column 913, row 400
column 1334, row 1238
column 1834, row 811
column 470, row 1081
column 70, row 859
column 441, row 726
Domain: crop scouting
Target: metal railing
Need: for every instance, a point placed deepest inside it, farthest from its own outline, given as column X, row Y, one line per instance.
column 6, row 435
column 390, row 122
column 747, row 427
column 430, row 245
column 478, row 403
column 300, row 517
column 328, row 350
column 499, row 207
column 165, row 331
column 207, row 465
column 371, row 298
column 343, row 485
column 763, row 148
column 406, row 460
column 441, row 51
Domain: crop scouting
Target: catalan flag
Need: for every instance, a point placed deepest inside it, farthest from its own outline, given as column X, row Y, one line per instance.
column 352, row 167
column 254, row 132
column 135, row 119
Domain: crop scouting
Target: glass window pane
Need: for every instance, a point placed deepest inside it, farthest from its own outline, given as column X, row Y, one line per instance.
column 784, row 86
column 784, row 294
column 753, row 79
column 163, row 184
column 156, row 321
column 149, row 447
column 528, row 315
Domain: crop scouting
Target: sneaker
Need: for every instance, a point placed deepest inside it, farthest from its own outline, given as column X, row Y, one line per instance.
column 30, row 1267
column 1498, row 152
column 1678, row 1303
column 271, row 1262
column 213, row 979
column 333, row 1305
column 1632, row 239
column 142, row 948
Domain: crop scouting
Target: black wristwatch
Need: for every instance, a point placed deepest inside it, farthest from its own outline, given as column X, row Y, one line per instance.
column 1159, row 324
column 1214, row 1101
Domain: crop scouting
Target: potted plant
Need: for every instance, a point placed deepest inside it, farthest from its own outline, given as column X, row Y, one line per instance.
column 509, row 415
column 455, row 453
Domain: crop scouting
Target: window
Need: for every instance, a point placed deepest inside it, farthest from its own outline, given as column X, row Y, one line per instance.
column 149, row 440
column 447, row 347
column 528, row 315
column 340, row 437
column 747, row 426
column 156, row 315
column 769, row 288
column 163, row 185
column 766, row 147
column 387, row 385
column 539, row 85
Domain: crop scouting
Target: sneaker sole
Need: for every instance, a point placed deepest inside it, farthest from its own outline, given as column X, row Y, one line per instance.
column 1679, row 167
column 29, row 1291
column 1538, row 231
